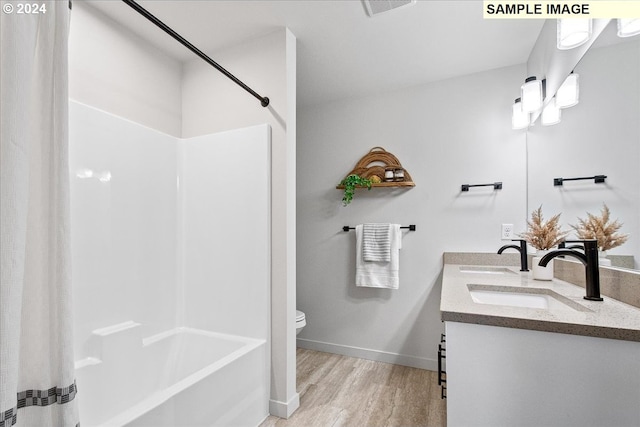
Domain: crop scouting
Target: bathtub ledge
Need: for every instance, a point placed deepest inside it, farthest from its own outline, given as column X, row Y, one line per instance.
column 110, row 330
column 87, row 361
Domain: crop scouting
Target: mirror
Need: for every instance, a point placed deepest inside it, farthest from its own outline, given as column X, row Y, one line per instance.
column 599, row 136
column 554, row 65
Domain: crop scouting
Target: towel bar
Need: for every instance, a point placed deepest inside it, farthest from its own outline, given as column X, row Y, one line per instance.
column 411, row 227
column 598, row 179
column 495, row 185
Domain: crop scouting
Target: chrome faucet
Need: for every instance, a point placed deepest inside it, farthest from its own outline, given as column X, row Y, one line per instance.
column 590, row 260
column 524, row 264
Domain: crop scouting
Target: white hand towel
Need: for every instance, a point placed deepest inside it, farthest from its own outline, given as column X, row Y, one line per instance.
column 379, row 274
column 376, row 242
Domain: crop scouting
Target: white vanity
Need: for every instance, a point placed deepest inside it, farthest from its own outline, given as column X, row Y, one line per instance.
column 521, row 352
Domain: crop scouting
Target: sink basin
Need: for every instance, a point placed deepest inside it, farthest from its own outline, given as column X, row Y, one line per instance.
column 540, row 298
column 485, row 269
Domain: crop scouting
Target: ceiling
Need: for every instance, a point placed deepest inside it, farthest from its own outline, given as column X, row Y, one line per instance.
column 341, row 51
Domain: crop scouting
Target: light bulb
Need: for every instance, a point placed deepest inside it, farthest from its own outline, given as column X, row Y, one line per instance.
column 551, row 113
column 568, row 93
column 531, row 95
column 519, row 119
column 628, row 27
column 573, row 32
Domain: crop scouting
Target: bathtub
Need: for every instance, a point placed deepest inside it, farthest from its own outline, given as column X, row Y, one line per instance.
column 181, row 377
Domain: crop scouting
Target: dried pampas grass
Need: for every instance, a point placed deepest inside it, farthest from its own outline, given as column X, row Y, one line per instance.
column 599, row 228
column 543, row 235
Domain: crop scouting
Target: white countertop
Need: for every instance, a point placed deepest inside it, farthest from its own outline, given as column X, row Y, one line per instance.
column 605, row 319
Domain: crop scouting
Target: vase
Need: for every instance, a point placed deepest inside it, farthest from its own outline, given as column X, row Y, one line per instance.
column 603, row 260
column 539, row 272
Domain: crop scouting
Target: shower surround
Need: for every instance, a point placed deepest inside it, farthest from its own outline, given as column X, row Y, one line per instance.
column 171, row 260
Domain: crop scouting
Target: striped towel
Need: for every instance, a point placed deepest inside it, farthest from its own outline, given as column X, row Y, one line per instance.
column 376, row 242
column 379, row 274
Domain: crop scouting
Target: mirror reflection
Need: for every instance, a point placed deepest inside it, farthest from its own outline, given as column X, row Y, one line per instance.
column 598, row 136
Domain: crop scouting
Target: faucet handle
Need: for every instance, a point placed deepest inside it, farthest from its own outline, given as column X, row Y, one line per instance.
column 563, row 244
column 588, row 243
column 523, row 243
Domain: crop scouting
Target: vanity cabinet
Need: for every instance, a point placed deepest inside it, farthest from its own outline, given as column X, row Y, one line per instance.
column 498, row 376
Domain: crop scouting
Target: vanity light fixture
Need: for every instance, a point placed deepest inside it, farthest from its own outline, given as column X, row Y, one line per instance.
column 628, row 27
column 551, row 113
column 568, row 93
column 531, row 95
column 519, row 119
column 573, row 32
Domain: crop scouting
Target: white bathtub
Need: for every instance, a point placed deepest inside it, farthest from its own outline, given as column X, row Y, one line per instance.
column 182, row 377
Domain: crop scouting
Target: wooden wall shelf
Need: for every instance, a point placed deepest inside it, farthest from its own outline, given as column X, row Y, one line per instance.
column 385, row 184
column 374, row 163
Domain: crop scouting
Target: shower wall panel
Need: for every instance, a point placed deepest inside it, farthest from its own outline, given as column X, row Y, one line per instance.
column 168, row 232
column 226, row 235
column 123, row 213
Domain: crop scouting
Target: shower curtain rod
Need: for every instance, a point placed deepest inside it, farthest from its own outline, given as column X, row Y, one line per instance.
column 142, row 11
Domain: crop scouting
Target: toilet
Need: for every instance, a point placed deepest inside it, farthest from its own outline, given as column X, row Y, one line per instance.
column 301, row 321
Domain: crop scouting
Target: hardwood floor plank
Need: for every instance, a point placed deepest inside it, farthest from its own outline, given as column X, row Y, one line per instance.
column 341, row 391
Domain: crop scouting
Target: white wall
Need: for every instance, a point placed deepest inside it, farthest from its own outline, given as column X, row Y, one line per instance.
column 445, row 134
column 212, row 103
column 600, row 135
column 114, row 70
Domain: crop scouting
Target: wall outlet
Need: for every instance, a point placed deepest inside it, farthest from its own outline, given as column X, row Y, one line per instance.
column 507, row 232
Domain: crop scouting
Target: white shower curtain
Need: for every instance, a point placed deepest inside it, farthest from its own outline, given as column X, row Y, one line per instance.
column 37, row 385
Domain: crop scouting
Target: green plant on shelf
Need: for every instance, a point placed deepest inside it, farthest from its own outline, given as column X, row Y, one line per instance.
column 350, row 183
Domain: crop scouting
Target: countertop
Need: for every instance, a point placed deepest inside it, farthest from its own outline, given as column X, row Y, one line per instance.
column 603, row 319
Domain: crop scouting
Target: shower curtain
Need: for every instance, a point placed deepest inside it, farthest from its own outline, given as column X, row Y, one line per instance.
column 37, row 385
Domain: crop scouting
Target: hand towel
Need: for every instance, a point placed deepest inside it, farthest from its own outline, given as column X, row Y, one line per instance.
column 376, row 242
column 379, row 274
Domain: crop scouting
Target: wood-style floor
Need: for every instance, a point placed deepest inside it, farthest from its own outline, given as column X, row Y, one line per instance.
column 345, row 391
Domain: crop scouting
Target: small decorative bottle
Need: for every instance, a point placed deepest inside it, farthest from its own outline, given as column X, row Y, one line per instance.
column 388, row 174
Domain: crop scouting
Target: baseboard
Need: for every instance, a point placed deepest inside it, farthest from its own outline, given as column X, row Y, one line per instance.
column 284, row 409
column 365, row 353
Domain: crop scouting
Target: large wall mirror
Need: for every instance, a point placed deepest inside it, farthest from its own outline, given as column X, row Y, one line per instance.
column 599, row 136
